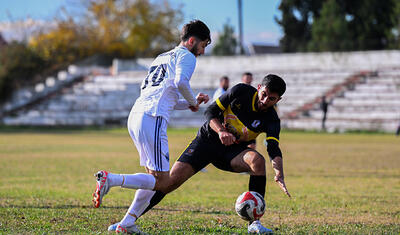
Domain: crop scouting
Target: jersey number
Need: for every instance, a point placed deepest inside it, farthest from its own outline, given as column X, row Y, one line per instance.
column 157, row 74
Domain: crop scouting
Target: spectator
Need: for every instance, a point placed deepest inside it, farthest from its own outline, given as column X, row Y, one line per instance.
column 247, row 78
column 324, row 108
column 223, row 87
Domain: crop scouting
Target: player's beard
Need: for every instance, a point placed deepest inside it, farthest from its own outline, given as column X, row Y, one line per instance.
column 194, row 49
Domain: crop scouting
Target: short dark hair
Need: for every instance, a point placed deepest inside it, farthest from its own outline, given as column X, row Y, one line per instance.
column 195, row 28
column 223, row 78
column 274, row 83
column 247, row 74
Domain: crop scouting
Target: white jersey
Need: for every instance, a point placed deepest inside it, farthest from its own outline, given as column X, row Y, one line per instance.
column 220, row 91
column 168, row 75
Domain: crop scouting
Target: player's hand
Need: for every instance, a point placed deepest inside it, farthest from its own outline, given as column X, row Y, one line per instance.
column 226, row 138
column 194, row 108
column 201, row 97
column 281, row 182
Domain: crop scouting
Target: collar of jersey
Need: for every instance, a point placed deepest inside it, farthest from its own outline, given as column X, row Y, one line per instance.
column 183, row 47
column 254, row 102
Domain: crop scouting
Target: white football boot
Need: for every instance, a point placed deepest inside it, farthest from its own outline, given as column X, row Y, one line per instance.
column 132, row 229
column 101, row 187
column 113, row 227
column 257, row 228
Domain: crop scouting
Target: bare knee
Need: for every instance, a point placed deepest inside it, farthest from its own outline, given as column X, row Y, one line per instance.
column 163, row 181
column 256, row 163
column 180, row 172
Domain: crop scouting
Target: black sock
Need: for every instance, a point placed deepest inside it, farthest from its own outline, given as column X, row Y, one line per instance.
column 257, row 184
column 157, row 197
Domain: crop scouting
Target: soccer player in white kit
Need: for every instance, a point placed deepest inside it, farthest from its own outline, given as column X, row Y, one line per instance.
column 168, row 76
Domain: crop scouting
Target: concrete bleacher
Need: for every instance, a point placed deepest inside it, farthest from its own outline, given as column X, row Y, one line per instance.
column 373, row 104
column 101, row 98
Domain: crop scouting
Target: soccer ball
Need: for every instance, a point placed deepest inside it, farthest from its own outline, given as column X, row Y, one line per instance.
column 250, row 206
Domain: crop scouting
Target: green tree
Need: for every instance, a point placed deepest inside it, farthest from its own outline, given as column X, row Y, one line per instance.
column 363, row 24
column 394, row 34
column 226, row 43
column 296, row 21
column 18, row 65
column 369, row 22
column 330, row 32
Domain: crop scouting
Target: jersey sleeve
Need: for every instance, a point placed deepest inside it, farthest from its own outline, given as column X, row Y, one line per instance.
column 272, row 139
column 185, row 66
column 216, row 109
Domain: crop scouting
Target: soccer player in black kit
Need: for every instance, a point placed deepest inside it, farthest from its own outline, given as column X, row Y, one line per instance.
column 234, row 119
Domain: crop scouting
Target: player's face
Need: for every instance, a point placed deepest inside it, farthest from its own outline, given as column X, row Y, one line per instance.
column 199, row 47
column 266, row 99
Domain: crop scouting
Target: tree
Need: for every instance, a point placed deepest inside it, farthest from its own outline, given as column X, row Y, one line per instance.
column 118, row 28
column 296, row 21
column 330, row 32
column 227, row 43
column 337, row 24
column 394, row 34
column 18, row 64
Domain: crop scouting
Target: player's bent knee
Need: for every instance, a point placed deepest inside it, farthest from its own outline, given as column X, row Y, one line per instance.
column 256, row 162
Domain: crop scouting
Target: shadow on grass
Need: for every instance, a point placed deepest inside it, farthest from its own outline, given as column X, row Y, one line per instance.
column 191, row 210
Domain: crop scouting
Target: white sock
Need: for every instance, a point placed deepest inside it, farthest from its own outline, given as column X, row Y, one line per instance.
column 115, row 179
column 139, row 204
column 139, row 181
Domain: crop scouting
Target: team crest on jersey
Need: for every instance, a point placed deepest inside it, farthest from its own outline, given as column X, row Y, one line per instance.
column 237, row 106
column 256, row 123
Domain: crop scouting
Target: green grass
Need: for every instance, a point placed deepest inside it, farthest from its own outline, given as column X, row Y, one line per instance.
column 340, row 184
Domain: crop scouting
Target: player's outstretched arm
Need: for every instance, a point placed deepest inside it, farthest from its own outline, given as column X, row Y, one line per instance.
column 201, row 98
column 277, row 165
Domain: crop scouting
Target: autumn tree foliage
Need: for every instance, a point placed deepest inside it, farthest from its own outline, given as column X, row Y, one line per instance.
column 117, row 28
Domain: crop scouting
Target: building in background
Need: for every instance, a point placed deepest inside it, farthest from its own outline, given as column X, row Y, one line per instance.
column 257, row 49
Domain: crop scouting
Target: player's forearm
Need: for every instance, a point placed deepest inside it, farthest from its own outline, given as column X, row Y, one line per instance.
column 216, row 125
column 181, row 105
column 187, row 92
column 277, row 165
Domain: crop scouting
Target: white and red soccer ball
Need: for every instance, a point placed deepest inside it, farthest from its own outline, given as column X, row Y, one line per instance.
column 250, row 206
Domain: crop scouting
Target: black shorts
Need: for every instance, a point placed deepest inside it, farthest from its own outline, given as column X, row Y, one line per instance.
column 202, row 151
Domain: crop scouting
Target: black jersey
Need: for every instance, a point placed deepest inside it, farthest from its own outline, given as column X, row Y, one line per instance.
column 237, row 111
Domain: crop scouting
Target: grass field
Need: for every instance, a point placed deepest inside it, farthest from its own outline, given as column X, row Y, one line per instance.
column 340, row 184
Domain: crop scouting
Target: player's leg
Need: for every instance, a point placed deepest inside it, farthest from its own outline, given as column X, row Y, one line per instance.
column 180, row 172
column 153, row 150
column 147, row 199
column 192, row 159
column 252, row 162
column 149, row 135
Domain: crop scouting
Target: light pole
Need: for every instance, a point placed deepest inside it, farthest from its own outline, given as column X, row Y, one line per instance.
column 241, row 50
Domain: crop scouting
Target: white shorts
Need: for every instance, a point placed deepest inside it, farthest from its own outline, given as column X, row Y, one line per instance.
column 149, row 134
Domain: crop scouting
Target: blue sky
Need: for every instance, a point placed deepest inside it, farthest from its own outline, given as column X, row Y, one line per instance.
column 259, row 25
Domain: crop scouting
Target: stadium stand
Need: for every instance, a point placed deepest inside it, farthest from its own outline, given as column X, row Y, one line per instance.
column 372, row 103
column 359, row 100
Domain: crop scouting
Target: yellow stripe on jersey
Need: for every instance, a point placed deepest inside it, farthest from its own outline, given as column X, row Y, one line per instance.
column 254, row 99
column 237, row 128
column 272, row 138
column 220, row 104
